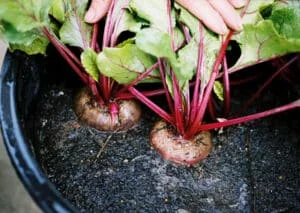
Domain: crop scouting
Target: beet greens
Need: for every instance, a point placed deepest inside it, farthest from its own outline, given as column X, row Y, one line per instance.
column 30, row 26
column 189, row 55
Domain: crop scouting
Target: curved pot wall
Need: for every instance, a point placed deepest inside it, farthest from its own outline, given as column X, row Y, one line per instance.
column 19, row 84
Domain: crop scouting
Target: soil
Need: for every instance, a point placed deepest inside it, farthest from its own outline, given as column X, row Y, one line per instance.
column 253, row 167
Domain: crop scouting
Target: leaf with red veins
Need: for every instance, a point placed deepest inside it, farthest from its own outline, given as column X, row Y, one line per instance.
column 188, row 55
column 25, row 15
column 252, row 14
column 124, row 64
column 260, row 43
column 75, row 31
column 273, row 34
column 21, row 22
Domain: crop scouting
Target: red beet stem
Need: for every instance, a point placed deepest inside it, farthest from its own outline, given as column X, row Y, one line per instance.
column 267, row 83
column 186, row 33
column 67, row 55
column 145, row 93
column 95, row 91
column 113, row 37
column 171, row 32
column 94, row 43
column 108, row 27
column 226, row 83
column 106, row 83
column 178, row 106
column 114, row 111
column 240, row 68
column 245, row 80
column 197, row 88
column 235, row 121
column 162, row 72
column 163, row 114
column 200, row 113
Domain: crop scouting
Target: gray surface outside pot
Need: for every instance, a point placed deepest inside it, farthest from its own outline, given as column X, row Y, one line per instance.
column 13, row 196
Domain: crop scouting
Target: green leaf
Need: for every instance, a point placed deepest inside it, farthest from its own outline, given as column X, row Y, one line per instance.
column 170, row 84
column 38, row 46
column 120, row 7
column 287, row 21
column 188, row 55
column 25, row 15
column 58, row 10
column 127, row 23
column 125, row 64
column 128, row 41
column 89, row 62
column 55, row 27
column 156, row 43
column 219, row 90
column 31, row 42
column 277, row 35
column 179, row 38
column 74, row 30
column 189, row 20
column 253, row 12
column 123, row 20
column 22, row 22
column 156, row 39
column 10, row 34
column 154, row 11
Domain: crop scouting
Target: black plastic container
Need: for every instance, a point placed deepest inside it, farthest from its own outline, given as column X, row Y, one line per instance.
column 15, row 100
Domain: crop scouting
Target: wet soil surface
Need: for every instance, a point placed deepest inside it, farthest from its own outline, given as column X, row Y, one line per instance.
column 254, row 167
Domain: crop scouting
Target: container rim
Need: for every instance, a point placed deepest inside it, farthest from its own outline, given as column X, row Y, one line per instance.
column 37, row 184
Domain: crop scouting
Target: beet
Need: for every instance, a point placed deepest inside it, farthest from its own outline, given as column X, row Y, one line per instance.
column 103, row 117
column 175, row 148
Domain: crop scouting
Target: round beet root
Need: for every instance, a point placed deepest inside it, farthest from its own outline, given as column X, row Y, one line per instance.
column 126, row 113
column 172, row 147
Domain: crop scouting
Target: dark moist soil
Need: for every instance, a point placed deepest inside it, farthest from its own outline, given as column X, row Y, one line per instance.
column 254, row 167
